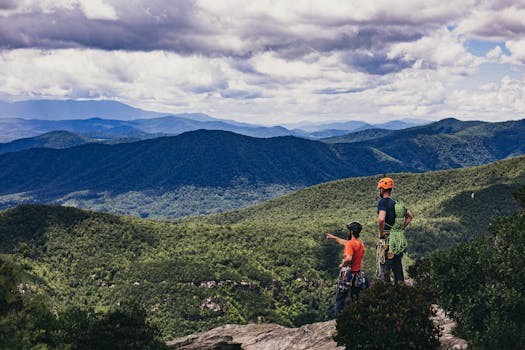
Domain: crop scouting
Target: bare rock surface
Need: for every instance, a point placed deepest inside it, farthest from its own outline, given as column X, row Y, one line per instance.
column 317, row 336
column 447, row 340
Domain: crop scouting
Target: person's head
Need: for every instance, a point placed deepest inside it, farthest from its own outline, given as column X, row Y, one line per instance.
column 385, row 186
column 354, row 229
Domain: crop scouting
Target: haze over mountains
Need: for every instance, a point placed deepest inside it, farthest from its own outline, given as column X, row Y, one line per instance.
column 108, row 120
column 206, row 171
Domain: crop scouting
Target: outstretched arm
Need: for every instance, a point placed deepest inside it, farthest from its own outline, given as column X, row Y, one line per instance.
column 337, row 239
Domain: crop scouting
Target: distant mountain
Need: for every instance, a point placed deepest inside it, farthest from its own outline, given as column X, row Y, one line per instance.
column 16, row 128
column 62, row 139
column 189, row 165
column 110, row 119
column 449, row 143
column 339, row 128
column 320, row 126
column 178, row 124
column 444, row 126
column 399, row 124
column 359, row 136
column 72, row 109
column 199, row 158
column 12, row 129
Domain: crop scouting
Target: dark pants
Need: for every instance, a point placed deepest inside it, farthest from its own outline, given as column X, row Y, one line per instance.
column 340, row 299
column 342, row 294
column 395, row 265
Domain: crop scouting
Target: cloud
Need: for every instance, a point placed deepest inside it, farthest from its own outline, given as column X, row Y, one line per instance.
column 365, row 32
column 376, row 63
column 517, row 50
column 501, row 100
column 214, row 28
column 97, row 9
column 495, row 20
column 441, row 49
column 7, row 4
column 267, row 60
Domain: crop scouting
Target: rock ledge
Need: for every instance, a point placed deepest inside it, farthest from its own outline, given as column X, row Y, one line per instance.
column 317, row 336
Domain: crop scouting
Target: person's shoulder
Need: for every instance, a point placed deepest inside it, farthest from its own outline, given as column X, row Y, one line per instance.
column 384, row 201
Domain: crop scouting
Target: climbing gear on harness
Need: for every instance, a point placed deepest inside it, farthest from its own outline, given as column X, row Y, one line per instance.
column 397, row 240
column 345, row 279
column 385, row 183
column 381, row 248
column 359, row 280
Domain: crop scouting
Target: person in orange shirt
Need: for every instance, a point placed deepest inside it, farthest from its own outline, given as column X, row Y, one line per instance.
column 350, row 267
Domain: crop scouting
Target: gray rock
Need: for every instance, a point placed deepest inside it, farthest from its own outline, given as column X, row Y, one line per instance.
column 317, row 336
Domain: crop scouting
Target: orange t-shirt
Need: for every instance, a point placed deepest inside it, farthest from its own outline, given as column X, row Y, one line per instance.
column 356, row 249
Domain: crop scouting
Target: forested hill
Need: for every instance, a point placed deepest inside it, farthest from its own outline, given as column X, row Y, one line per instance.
column 218, row 170
column 271, row 262
column 449, row 143
column 53, row 139
column 200, row 158
column 459, row 202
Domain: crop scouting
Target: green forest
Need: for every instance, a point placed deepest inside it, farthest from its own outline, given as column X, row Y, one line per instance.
column 210, row 171
column 266, row 263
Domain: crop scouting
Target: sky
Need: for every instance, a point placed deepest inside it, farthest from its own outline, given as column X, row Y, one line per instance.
column 272, row 62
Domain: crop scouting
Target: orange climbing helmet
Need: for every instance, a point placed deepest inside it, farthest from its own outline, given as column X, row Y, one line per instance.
column 385, row 183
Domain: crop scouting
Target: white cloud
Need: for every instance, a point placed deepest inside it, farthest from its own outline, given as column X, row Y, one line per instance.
column 441, row 49
column 267, row 61
column 517, row 50
column 489, row 21
column 98, row 9
column 495, row 54
column 494, row 101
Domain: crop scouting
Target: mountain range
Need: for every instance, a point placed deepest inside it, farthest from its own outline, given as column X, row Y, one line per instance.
column 208, row 171
column 109, row 119
column 72, row 109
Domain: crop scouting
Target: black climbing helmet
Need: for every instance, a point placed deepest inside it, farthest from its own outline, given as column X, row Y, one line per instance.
column 354, row 226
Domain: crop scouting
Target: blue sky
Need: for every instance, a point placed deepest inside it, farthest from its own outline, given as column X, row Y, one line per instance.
column 271, row 62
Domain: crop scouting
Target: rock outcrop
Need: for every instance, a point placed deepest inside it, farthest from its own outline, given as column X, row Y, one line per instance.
column 317, row 336
column 447, row 340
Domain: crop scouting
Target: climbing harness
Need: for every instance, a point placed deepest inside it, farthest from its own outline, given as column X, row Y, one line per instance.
column 345, row 279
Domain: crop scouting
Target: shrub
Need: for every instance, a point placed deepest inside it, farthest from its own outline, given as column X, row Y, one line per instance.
column 421, row 274
column 481, row 284
column 123, row 328
column 388, row 317
column 28, row 323
column 10, row 298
